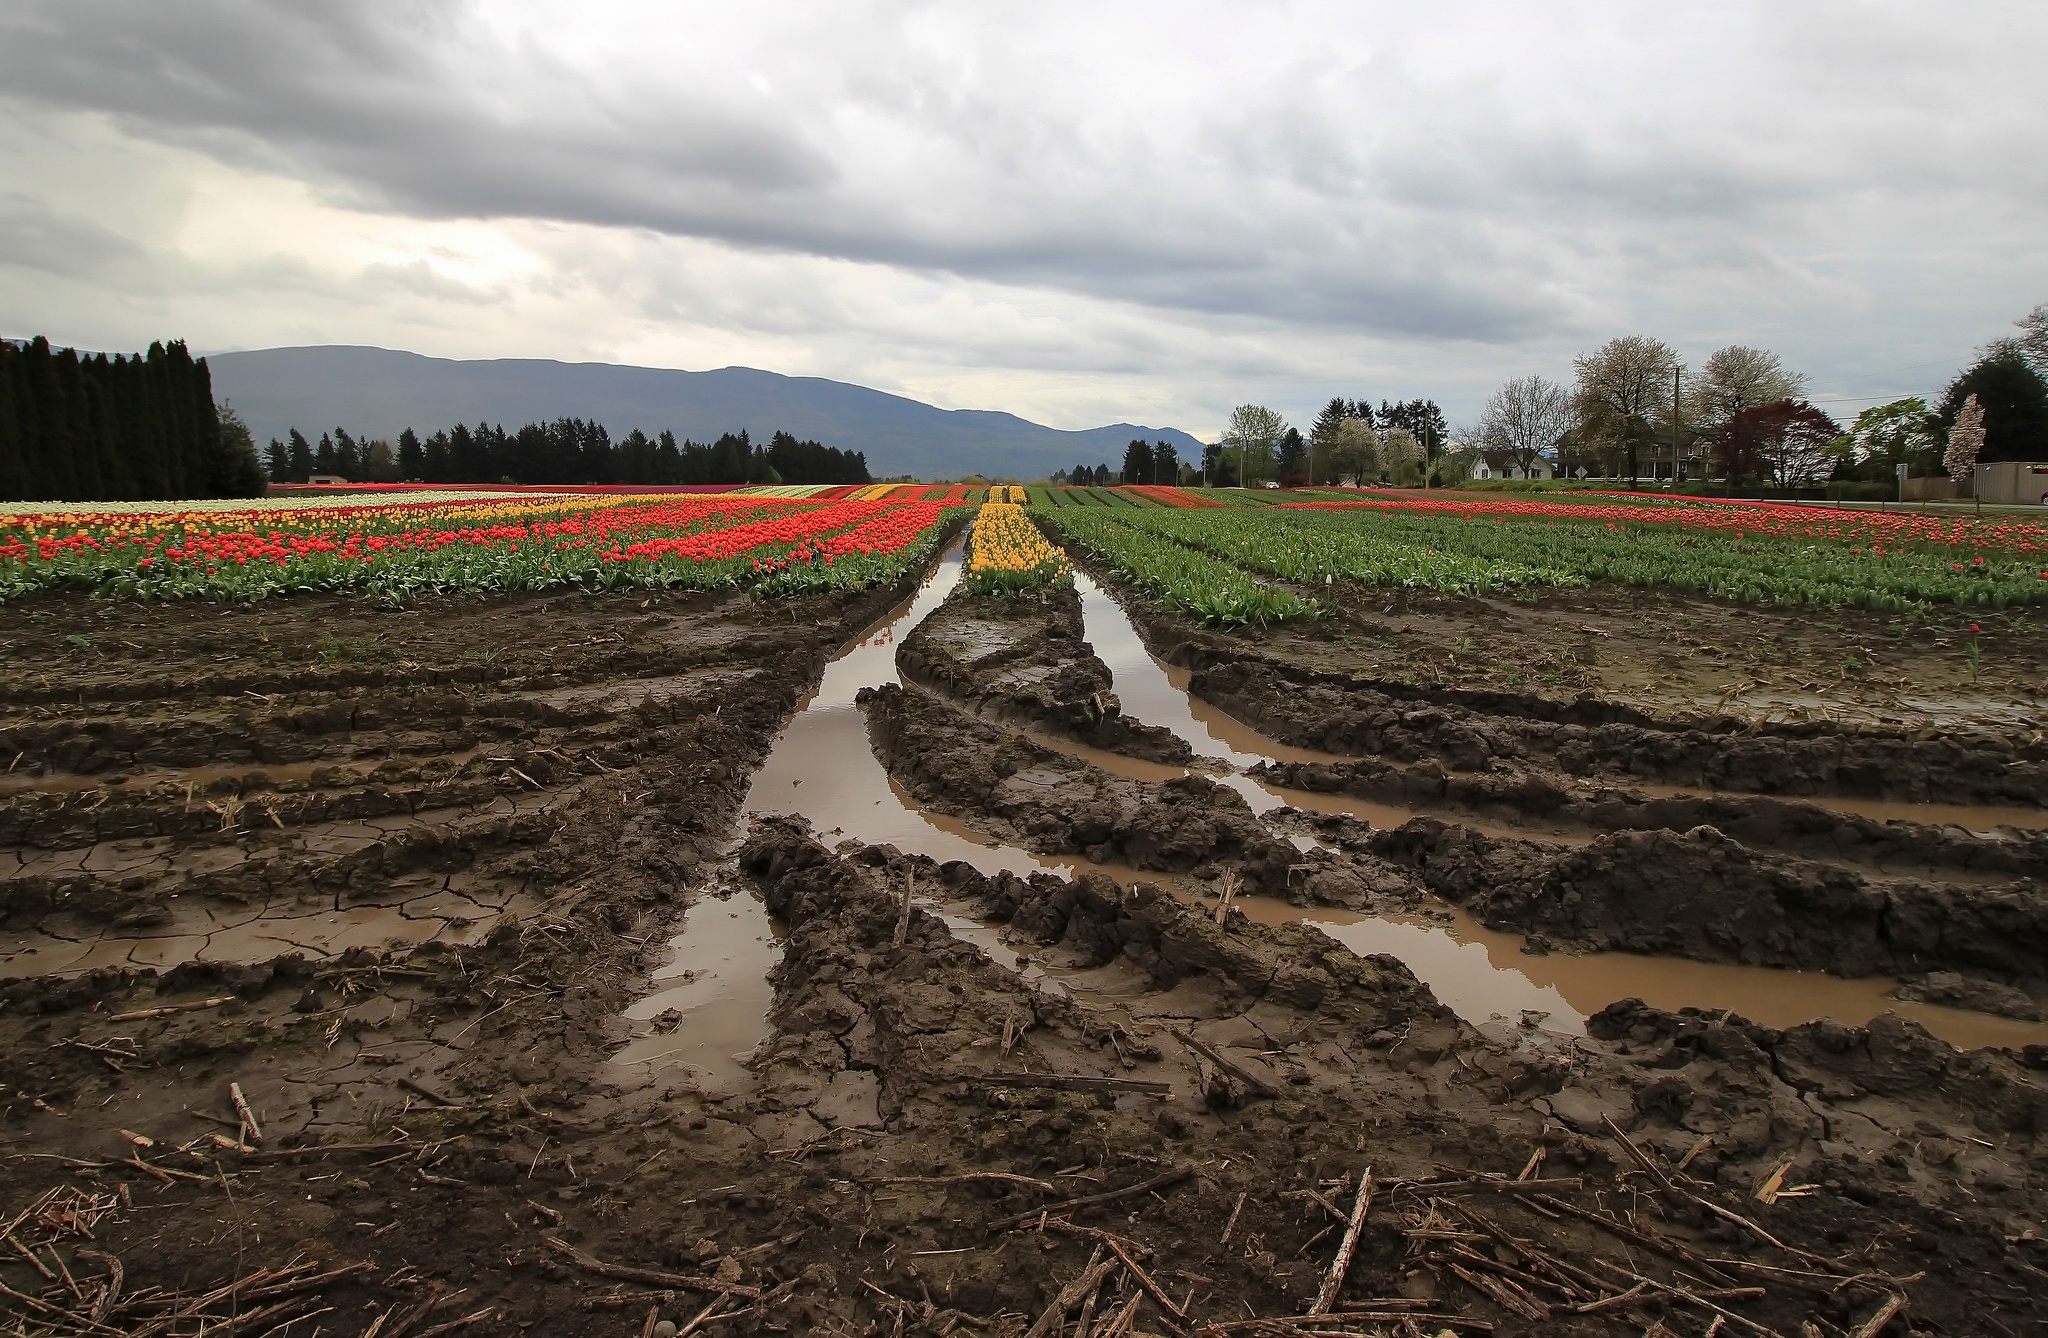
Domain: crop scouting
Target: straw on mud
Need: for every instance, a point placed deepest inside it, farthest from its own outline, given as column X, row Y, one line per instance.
column 1334, row 1283
column 1112, row 1196
column 903, row 916
column 1235, row 1070
column 1231, row 1225
column 1883, row 1315
column 195, row 1006
column 1082, row 1082
column 1070, row 1296
column 656, row 1277
column 251, row 1131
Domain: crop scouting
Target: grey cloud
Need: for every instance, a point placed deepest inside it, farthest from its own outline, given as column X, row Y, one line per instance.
column 34, row 236
column 1370, row 187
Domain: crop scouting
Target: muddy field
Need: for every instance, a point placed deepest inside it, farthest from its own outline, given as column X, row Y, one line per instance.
column 919, row 964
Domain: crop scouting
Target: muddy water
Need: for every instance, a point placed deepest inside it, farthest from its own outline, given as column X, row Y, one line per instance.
column 1157, row 693
column 712, row 996
column 824, row 768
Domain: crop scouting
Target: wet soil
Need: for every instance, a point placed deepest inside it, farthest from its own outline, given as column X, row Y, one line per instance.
column 1661, row 653
column 548, row 1049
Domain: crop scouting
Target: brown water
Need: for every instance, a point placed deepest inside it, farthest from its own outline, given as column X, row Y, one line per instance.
column 1157, row 693
column 824, row 768
column 711, row 1003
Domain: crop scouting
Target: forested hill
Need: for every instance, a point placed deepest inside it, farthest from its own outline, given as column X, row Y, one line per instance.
column 381, row 392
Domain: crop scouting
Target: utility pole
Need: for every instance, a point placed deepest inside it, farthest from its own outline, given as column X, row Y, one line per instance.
column 1676, row 368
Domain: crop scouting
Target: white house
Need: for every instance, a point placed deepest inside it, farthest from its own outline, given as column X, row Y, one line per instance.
column 1503, row 465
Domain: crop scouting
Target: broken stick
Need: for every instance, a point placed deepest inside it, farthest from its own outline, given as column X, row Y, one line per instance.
column 903, row 917
column 196, row 1006
column 1128, row 1191
column 1235, row 1070
column 1326, row 1300
column 654, row 1277
column 1081, row 1082
column 252, row 1132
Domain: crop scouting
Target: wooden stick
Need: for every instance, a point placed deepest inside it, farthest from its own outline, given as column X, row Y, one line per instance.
column 995, row 1177
column 1089, row 1201
column 452, row 1325
column 1882, row 1316
column 1326, row 1300
column 1081, row 1082
column 252, row 1132
column 421, row 1089
column 1420, row 1317
column 1502, row 1292
column 1638, row 1156
column 903, row 917
column 1145, row 1281
column 196, row 1006
column 1070, row 1296
column 653, row 1277
column 1235, row 1070
column 1447, row 1188
column 1668, row 1248
column 1231, row 1225
column 702, row 1317
column 1695, row 1298
column 1120, row 1324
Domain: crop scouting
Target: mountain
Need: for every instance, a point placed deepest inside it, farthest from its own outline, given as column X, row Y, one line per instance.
column 376, row 392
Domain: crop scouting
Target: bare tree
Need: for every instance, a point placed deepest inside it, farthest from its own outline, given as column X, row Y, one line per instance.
column 1252, row 432
column 1624, row 389
column 1734, row 381
column 1525, row 418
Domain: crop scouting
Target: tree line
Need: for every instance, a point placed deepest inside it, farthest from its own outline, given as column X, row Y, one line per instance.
column 1155, row 462
column 566, row 451
column 1405, row 442
column 1633, row 410
column 92, row 428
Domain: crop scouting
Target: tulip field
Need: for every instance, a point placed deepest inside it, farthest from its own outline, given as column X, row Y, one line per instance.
column 1221, row 556
column 398, row 544
column 1758, row 553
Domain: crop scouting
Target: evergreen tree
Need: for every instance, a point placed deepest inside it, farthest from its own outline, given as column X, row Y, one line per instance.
column 1165, row 463
column 348, row 457
column 1138, row 462
column 103, row 428
column 412, row 457
column 439, row 463
column 2014, row 400
column 277, row 461
column 301, row 457
column 1293, row 457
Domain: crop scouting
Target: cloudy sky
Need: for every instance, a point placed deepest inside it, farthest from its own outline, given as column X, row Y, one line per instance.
column 1081, row 213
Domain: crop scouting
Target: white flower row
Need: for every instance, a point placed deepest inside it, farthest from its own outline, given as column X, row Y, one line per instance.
column 284, row 502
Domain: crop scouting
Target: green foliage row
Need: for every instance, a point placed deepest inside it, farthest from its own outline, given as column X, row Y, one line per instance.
column 1201, row 586
column 1315, row 548
column 1751, row 568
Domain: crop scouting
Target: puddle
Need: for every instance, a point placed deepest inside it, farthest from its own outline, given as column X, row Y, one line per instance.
column 823, row 767
column 1481, row 973
column 1157, row 693
column 710, row 1008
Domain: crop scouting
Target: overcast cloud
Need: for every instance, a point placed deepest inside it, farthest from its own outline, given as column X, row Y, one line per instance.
column 1080, row 213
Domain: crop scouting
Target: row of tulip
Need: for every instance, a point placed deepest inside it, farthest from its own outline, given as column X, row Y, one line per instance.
column 396, row 549
column 1007, row 554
